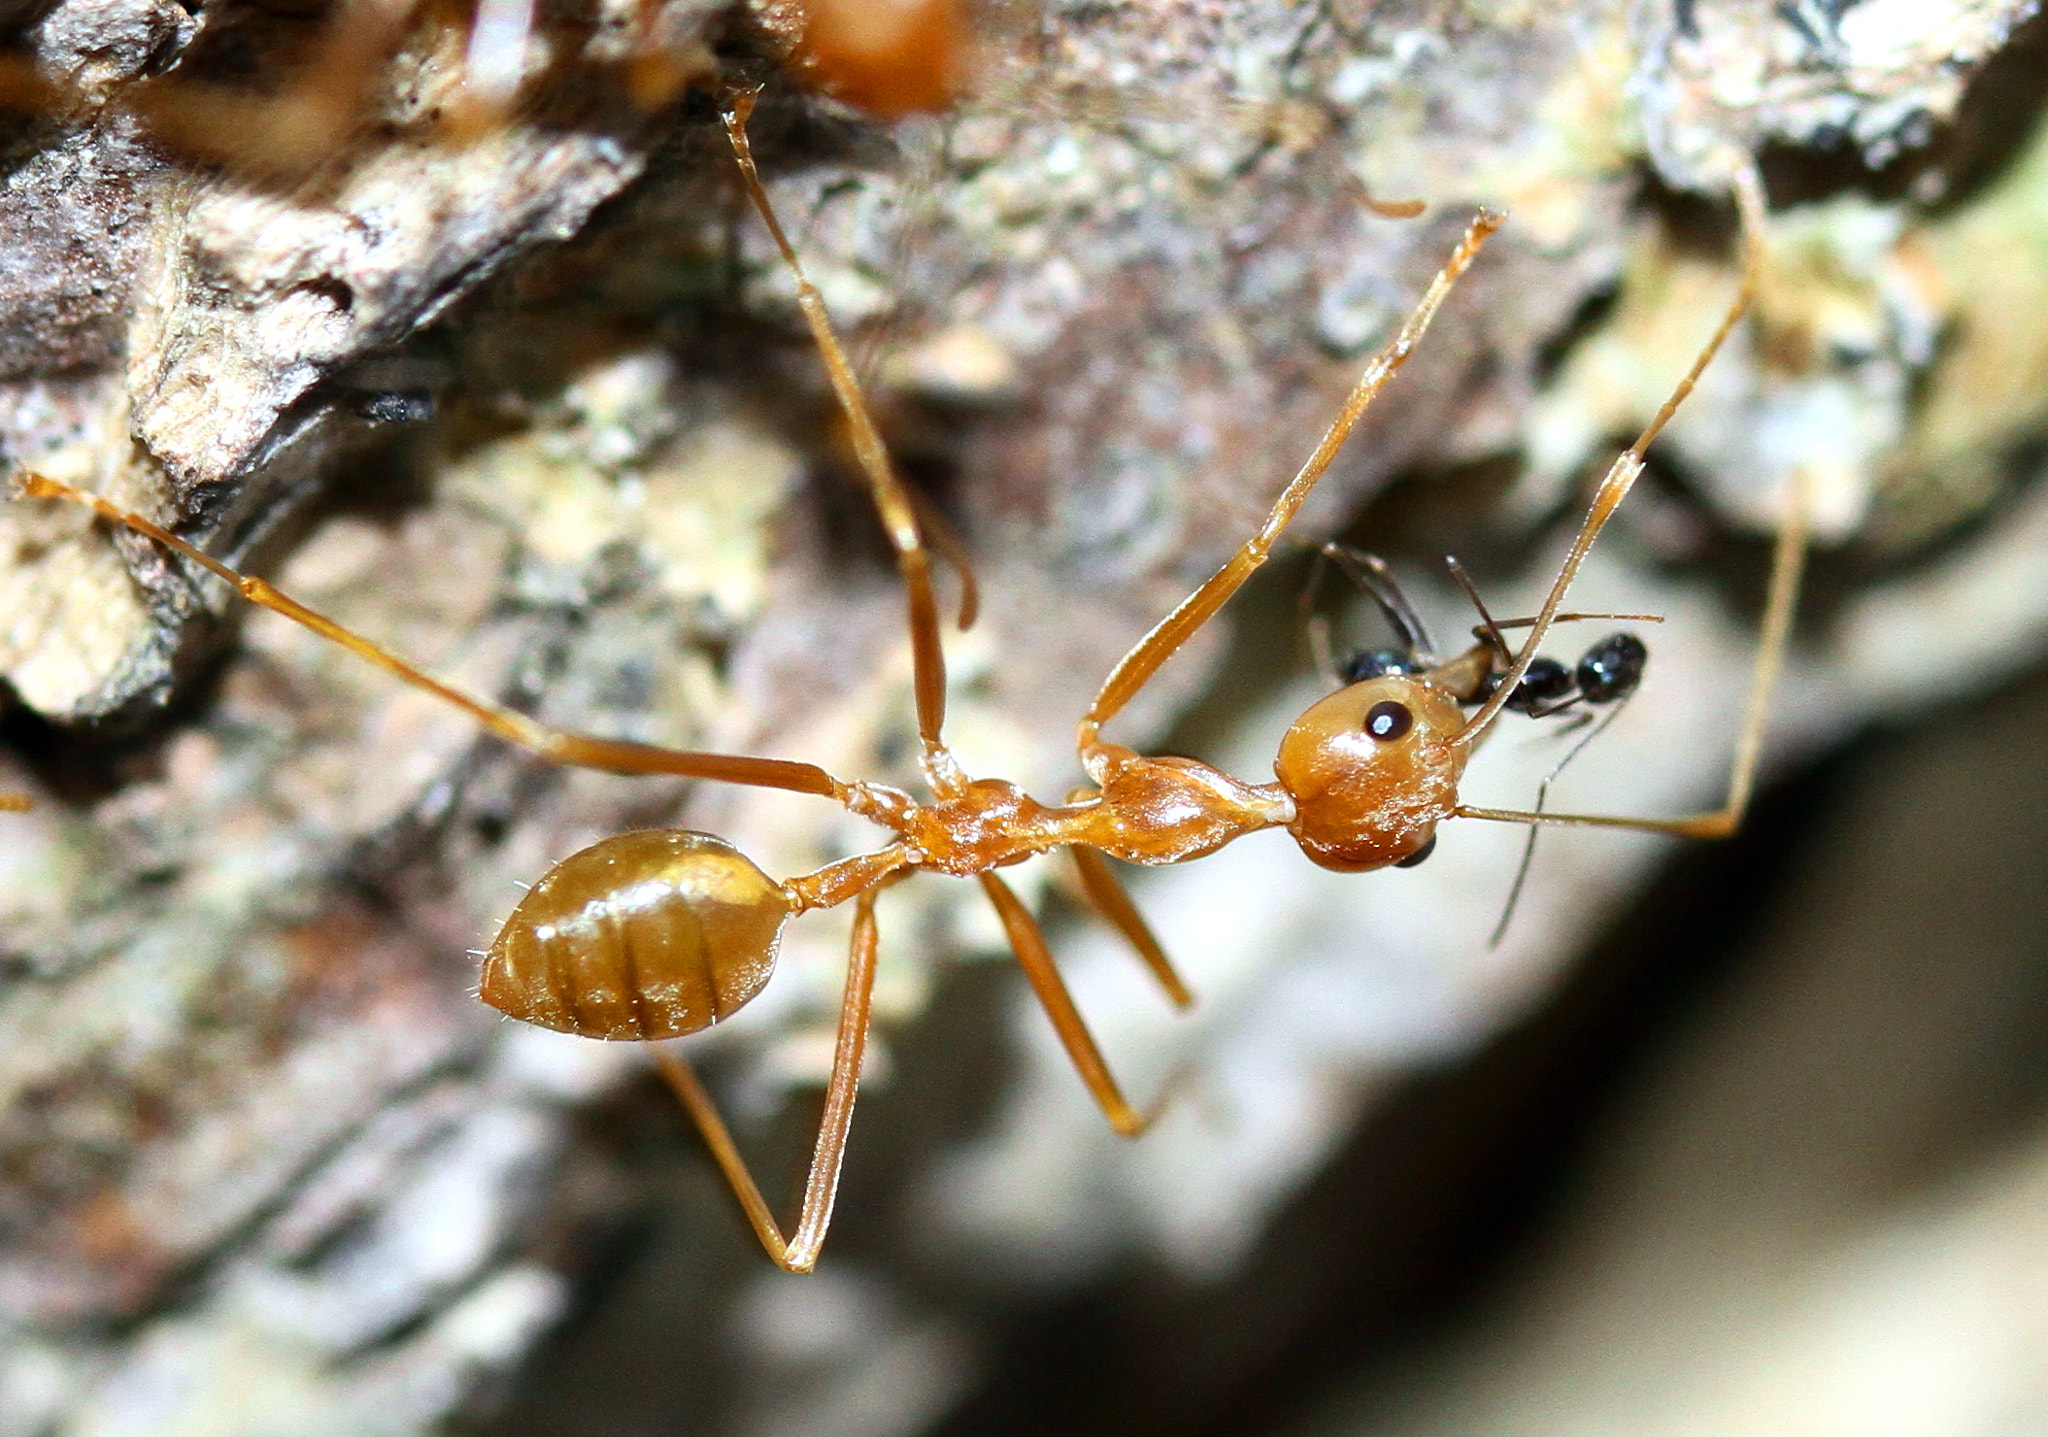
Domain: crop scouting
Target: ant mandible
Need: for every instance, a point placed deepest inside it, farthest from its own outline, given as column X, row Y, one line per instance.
column 660, row 933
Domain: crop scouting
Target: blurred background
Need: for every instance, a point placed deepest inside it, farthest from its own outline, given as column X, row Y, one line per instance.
column 453, row 322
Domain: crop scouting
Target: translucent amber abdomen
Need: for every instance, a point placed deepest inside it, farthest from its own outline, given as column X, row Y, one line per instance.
column 650, row 934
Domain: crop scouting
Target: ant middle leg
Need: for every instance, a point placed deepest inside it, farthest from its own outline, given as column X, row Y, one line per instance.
column 1027, row 940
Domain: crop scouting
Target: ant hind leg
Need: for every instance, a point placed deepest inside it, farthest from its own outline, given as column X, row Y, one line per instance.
column 799, row 1251
column 556, row 745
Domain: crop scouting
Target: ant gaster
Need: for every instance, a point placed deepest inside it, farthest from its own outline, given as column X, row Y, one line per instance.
column 660, row 933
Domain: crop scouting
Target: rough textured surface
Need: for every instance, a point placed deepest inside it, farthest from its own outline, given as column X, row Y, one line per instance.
column 533, row 409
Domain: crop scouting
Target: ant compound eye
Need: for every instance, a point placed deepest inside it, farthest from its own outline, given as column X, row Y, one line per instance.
column 1612, row 668
column 1376, row 663
column 1418, row 855
column 1544, row 681
column 1388, row 719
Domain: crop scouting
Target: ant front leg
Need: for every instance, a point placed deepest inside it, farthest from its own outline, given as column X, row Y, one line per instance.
column 1136, row 668
column 799, row 1251
column 1788, row 563
column 16, row 803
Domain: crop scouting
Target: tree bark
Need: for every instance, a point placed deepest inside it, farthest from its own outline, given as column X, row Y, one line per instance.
column 522, row 394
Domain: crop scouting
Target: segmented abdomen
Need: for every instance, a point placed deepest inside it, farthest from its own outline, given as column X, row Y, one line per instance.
column 645, row 935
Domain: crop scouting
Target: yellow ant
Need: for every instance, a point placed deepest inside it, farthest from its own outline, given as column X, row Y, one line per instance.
column 660, row 933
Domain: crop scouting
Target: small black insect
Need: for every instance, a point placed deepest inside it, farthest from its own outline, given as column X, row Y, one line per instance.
column 393, row 406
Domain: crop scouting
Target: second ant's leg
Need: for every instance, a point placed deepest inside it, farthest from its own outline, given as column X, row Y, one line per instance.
column 1788, row 562
column 892, row 500
column 1106, row 895
column 556, row 745
column 1035, row 958
column 799, row 1251
column 1137, row 667
column 16, row 803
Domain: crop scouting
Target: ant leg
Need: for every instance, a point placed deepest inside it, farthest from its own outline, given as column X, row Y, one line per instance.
column 1035, row 958
column 799, row 1251
column 1628, row 465
column 1370, row 573
column 1136, row 668
column 1108, row 898
column 556, row 745
column 892, row 501
column 1787, row 563
column 942, row 539
column 1507, row 912
column 16, row 803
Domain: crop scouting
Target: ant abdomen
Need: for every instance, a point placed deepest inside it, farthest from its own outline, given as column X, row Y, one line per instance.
column 1612, row 669
column 645, row 935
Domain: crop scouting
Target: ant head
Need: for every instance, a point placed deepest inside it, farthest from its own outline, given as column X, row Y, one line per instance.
column 1372, row 770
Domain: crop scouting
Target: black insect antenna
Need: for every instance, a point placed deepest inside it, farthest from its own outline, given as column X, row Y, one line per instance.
column 1486, row 629
column 1370, row 573
column 1414, row 651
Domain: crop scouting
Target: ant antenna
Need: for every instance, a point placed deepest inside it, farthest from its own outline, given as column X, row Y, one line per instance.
column 1628, row 465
